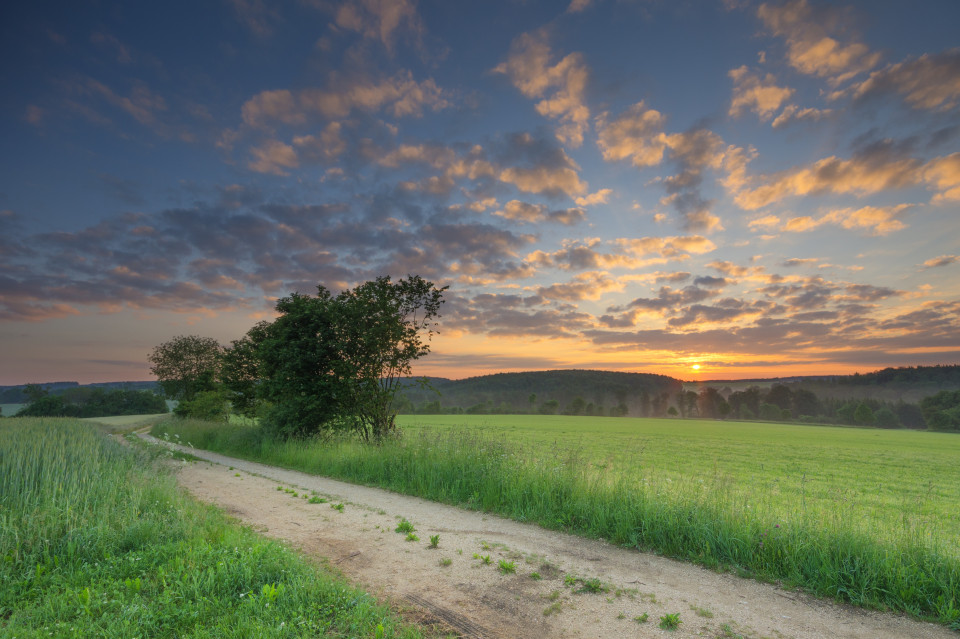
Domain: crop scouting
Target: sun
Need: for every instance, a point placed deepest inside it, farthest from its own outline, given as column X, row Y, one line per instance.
column 695, row 367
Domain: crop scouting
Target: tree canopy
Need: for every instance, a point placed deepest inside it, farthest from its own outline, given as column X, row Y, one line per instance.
column 336, row 362
column 186, row 365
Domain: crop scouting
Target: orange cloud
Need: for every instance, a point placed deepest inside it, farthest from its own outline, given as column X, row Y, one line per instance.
column 636, row 134
column 399, row 95
column 760, row 95
column 273, row 157
column 561, row 86
column 810, row 48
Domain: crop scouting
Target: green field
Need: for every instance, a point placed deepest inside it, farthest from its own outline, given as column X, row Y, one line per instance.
column 9, row 410
column 864, row 516
column 97, row 541
column 892, row 484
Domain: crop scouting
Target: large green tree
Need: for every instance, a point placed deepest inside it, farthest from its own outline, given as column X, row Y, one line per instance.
column 186, row 365
column 240, row 370
column 330, row 363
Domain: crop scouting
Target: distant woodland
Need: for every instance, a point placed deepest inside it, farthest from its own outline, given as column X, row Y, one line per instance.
column 890, row 398
column 912, row 397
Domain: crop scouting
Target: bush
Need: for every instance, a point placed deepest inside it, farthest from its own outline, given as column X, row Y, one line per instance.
column 209, row 406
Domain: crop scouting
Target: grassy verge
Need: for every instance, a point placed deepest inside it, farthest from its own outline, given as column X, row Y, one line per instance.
column 715, row 522
column 96, row 542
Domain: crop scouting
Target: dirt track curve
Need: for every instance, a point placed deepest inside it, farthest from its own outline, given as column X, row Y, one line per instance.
column 452, row 586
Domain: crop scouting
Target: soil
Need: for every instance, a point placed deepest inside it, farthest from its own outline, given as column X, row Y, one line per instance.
column 452, row 588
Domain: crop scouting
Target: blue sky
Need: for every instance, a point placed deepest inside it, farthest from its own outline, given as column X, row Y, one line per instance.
column 755, row 188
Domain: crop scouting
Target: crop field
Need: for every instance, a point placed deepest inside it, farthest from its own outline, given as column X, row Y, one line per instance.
column 864, row 516
column 9, row 410
column 896, row 485
column 96, row 541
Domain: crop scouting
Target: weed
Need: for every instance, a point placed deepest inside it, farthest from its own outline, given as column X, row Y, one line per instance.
column 434, row 541
column 337, row 507
column 446, row 561
column 702, row 612
column 621, row 616
column 316, row 500
column 552, row 609
column 404, row 527
column 484, row 559
column 506, row 567
column 591, row 585
column 670, row 621
column 728, row 632
column 412, row 537
column 644, row 618
column 535, row 576
column 553, row 596
column 570, row 580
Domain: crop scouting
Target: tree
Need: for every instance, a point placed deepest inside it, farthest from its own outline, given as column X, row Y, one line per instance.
column 864, row 415
column 186, row 365
column 329, row 363
column 240, row 370
column 942, row 411
column 886, row 418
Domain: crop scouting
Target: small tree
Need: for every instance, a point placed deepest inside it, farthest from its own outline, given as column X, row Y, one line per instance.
column 186, row 365
column 863, row 415
column 331, row 363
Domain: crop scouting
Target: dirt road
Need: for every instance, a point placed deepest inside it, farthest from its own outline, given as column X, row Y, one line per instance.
column 461, row 584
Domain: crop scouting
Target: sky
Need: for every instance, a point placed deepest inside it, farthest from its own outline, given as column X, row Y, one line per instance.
column 705, row 189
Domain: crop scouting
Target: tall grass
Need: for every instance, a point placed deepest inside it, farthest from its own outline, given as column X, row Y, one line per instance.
column 95, row 542
column 709, row 519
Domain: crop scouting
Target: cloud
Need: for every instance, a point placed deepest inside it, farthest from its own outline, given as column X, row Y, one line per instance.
column 560, row 87
column 636, row 134
column 792, row 113
column 380, row 19
column 273, row 157
column 758, row 94
column 400, row 96
column 545, row 180
column 584, row 286
column 811, row 49
column 927, row 82
column 796, row 261
column 256, row 15
column 944, row 174
column 600, row 197
column 943, row 260
column 863, row 175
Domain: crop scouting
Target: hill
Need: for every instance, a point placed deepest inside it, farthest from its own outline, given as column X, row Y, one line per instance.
column 586, row 392
column 905, row 384
column 16, row 394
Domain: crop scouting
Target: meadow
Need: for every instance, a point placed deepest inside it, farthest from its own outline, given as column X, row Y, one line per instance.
column 864, row 516
column 96, row 541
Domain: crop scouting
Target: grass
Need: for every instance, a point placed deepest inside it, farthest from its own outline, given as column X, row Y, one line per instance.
column 870, row 517
column 95, row 541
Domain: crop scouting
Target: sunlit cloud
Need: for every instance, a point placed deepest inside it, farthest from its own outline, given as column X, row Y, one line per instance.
column 943, row 260
column 560, row 87
column 811, row 47
column 931, row 81
column 755, row 93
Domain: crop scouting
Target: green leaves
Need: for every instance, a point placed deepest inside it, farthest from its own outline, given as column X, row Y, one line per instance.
column 329, row 363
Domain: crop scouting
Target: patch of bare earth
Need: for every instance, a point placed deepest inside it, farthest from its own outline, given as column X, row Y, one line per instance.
column 453, row 587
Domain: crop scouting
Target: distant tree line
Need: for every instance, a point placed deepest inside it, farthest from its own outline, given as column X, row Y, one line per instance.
column 83, row 401
column 779, row 402
column 327, row 363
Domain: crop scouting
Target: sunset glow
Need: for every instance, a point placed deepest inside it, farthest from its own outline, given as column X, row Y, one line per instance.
column 730, row 189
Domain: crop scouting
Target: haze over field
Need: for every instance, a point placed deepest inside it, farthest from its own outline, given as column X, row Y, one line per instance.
column 757, row 189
